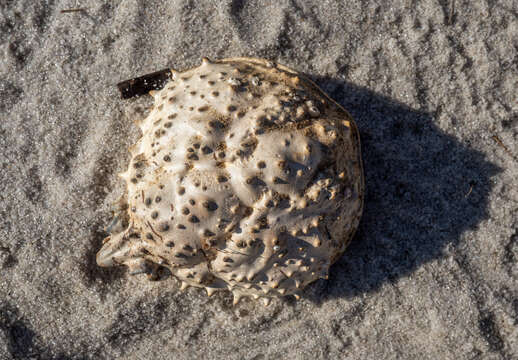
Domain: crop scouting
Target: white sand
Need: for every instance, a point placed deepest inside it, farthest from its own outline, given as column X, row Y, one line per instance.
column 433, row 272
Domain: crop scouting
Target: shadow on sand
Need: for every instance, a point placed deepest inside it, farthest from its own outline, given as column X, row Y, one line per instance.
column 423, row 190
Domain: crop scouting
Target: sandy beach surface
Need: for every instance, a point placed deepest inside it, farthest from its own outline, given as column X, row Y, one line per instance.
column 433, row 270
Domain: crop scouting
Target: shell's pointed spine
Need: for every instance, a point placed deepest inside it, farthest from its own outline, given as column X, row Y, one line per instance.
column 210, row 291
column 115, row 251
column 266, row 301
column 205, row 61
column 237, row 298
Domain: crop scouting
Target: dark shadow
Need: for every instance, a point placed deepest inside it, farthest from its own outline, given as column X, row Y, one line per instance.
column 423, row 190
column 20, row 337
column 22, row 342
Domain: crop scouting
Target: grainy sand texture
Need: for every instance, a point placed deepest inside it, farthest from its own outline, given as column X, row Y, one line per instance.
column 433, row 270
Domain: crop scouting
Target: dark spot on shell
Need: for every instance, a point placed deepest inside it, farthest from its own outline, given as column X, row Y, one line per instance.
column 216, row 124
column 278, row 180
column 186, row 211
column 248, row 211
column 255, row 181
column 194, row 219
column 210, row 205
column 154, row 214
column 169, row 244
column 164, row 227
column 192, row 202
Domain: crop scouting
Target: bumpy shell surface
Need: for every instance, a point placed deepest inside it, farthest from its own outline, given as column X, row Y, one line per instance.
column 247, row 177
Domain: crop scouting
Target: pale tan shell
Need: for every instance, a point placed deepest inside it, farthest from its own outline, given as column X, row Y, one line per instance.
column 247, row 177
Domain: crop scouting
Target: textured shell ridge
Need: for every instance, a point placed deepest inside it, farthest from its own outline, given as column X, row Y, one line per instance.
column 247, row 178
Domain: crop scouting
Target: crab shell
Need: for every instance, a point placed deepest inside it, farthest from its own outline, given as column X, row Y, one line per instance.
column 248, row 177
